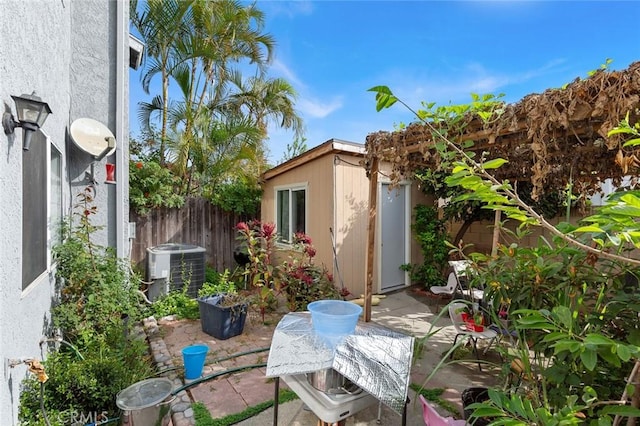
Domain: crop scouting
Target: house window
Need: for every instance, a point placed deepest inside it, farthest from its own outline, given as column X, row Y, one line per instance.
column 290, row 212
column 41, row 206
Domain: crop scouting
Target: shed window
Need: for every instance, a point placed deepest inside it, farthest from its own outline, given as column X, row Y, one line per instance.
column 290, row 213
column 41, row 206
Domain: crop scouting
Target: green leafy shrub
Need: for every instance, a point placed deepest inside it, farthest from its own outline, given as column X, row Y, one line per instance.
column 96, row 291
column 95, row 312
column 301, row 280
column 431, row 234
column 87, row 385
column 239, row 197
column 219, row 283
column 576, row 313
column 211, row 275
column 178, row 303
column 183, row 306
column 152, row 186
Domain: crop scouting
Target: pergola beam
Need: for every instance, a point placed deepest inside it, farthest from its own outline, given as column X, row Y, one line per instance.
column 371, row 238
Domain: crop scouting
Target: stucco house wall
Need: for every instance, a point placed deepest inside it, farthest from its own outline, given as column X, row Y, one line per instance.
column 74, row 54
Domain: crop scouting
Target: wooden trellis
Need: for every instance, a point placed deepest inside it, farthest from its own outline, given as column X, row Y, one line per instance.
column 548, row 139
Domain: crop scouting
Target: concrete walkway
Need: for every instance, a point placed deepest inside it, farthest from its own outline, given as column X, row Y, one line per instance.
column 407, row 311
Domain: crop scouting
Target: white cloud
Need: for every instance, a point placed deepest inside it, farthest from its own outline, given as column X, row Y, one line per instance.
column 318, row 109
column 290, row 9
column 459, row 84
column 279, row 68
column 551, row 66
column 308, row 105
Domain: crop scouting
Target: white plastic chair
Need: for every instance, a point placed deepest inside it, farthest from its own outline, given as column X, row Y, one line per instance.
column 460, row 267
column 460, row 271
column 455, row 313
column 450, row 288
column 433, row 418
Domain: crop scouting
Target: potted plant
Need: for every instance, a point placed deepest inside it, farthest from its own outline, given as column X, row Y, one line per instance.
column 477, row 321
column 223, row 311
column 473, row 320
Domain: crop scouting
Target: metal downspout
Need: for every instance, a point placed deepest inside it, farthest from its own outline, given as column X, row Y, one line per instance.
column 334, row 217
column 122, row 123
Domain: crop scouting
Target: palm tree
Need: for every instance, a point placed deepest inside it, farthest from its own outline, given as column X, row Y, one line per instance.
column 230, row 34
column 267, row 100
column 161, row 24
column 213, row 113
column 226, row 151
column 225, row 34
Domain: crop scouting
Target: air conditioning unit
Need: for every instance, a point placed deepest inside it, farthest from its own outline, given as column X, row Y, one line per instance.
column 171, row 266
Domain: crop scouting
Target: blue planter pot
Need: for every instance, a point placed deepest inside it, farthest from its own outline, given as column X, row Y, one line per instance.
column 219, row 320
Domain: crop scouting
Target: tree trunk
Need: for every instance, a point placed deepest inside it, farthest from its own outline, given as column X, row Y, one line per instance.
column 635, row 399
column 463, row 230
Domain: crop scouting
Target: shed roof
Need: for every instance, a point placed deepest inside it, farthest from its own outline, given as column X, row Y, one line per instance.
column 547, row 138
column 331, row 146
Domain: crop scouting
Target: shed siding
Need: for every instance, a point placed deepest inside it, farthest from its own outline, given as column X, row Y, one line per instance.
column 320, row 202
column 352, row 207
column 318, row 177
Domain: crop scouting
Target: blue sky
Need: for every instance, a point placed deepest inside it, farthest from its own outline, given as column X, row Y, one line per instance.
column 435, row 51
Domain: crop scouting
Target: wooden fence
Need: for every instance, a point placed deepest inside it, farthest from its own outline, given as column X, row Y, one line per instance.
column 198, row 222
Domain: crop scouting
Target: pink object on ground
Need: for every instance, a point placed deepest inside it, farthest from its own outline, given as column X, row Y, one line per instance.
column 433, row 418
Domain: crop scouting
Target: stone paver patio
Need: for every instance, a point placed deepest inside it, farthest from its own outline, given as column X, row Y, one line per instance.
column 405, row 310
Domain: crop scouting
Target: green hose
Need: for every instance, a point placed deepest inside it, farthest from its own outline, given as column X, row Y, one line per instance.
column 216, row 375
column 236, row 355
column 44, row 412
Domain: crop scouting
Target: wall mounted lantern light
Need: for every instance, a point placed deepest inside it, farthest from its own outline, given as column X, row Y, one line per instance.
column 32, row 113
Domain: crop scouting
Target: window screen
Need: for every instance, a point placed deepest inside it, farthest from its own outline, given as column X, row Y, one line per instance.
column 290, row 212
column 41, row 205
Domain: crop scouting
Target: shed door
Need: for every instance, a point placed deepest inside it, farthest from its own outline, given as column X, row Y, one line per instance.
column 393, row 235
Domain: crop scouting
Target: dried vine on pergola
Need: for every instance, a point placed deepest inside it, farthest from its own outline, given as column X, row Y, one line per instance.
column 547, row 138
column 550, row 139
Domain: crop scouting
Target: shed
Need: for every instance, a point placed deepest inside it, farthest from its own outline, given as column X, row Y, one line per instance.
column 324, row 193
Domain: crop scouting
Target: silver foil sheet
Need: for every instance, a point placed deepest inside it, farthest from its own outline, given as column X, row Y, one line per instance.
column 376, row 358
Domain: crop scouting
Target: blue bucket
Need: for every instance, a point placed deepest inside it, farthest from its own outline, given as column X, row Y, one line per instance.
column 193, row 357
column 334, row 318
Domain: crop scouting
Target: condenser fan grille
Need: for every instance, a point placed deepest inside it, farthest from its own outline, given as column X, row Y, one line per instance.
column 182, row 264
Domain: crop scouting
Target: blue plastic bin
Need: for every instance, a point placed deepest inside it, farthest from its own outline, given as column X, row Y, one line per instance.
column 334, row 318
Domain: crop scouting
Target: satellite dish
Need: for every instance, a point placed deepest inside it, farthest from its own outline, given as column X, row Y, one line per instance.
column 93, row 137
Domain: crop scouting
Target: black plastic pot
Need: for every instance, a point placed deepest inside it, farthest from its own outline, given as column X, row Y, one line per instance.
column 471, row 396
column 240, row 255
